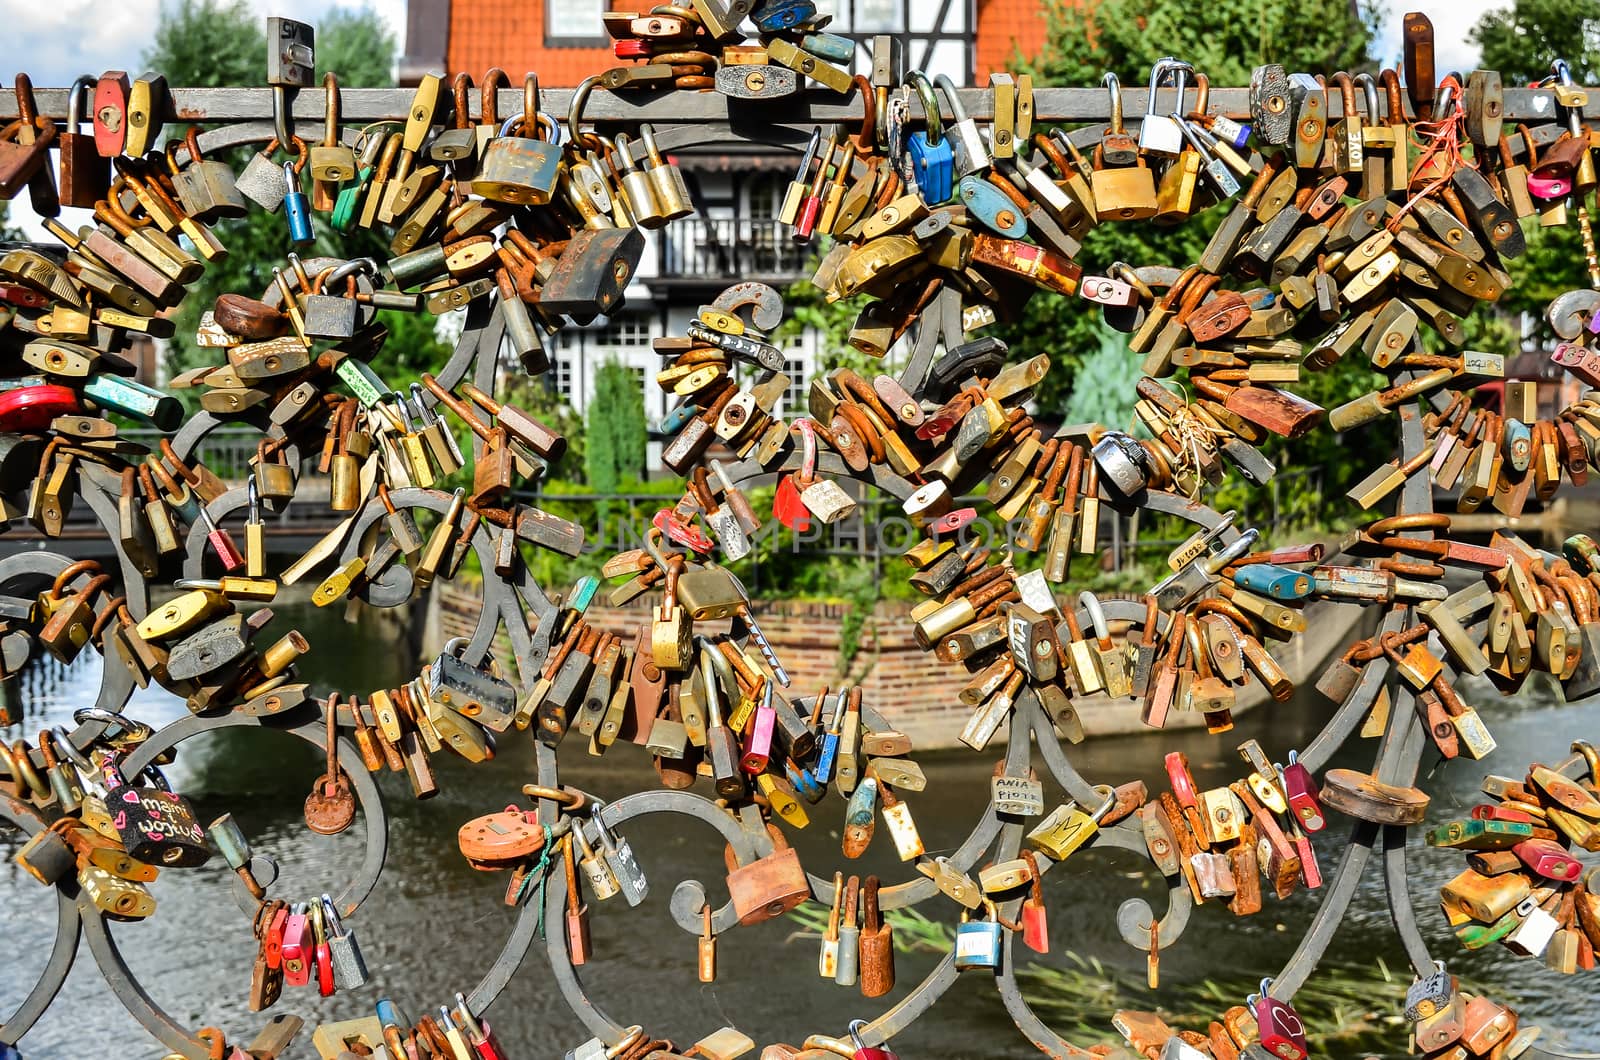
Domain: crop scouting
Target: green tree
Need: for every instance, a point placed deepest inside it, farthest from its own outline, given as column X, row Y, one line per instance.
column 218, row 43
column 1520, row 41
column 615, row 435
column 1226, row 40
column 7, row 230
column 1102, row 391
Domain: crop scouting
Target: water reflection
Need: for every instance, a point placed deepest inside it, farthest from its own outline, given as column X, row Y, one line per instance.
column 434, row 924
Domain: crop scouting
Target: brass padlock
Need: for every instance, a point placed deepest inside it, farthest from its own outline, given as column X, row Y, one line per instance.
column 670, row 632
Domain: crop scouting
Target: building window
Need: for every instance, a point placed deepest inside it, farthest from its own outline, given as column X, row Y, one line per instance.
column 878, row 16
column 628, row 331
column 561, row 377
column 794, row 396
column 865, row 16
column 574, row 23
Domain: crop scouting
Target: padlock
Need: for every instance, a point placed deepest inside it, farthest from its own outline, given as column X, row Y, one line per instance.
column 618, row 853
column 1429, row 994
column 770, row 886
column 931, row 154
column 85, row 177
column 861, row 1050
column 478, row 694
column 1067, row 827
column 978, row 942
column 519, row 169
column 1283, row 1033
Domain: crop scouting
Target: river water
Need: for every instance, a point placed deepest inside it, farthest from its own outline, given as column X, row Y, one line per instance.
column 434, row 924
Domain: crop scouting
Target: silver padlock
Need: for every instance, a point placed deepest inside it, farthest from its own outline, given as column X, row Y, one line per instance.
column 1531, row 937
column 263, row 182
column 1122, row 462
column 619, row 855
column 1159, row 133
column 971, row 153
column 349, row 967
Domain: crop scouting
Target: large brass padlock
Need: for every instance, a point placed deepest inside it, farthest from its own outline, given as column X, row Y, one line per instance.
column 709, row 592
column 520, row 169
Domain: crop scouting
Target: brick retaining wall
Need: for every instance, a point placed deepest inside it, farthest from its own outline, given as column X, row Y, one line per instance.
column 913, row 690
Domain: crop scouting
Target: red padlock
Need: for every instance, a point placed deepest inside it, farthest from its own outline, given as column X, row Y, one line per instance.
column 222, row 544
column 682, row 532
column 1035, row 925
column 1548, row 859
column 1181, row 779
column 478, row 1033
column 950, row 522
column 323, row 954
column 1300, row 787
column 1487, row 812
column 274, row 946
column 1283, row 1033
column 18, row 295
column 29, row 409
column 111, row 113
column 633, row 48
column 863, row 1051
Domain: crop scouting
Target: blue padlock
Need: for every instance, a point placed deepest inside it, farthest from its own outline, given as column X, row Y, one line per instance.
column 9, row 1052
column 978, row 941
column 829, row 744
column 775, row 16
column 804, row 784
column 296, row 206
column 1274, row 582
column 990, row 207
column 932, row 159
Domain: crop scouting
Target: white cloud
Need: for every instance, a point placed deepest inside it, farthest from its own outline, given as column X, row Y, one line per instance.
column 65, row 38
column 1451, row 22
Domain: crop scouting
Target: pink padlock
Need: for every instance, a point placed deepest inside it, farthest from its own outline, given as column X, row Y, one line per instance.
column 1549, row 187
column 863, row 1051
column 758, row 741
column 1300, row 787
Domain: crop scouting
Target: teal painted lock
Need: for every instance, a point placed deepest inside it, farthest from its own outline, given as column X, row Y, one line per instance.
column 830, row 46
column 130, row 397
column 674, row 421
column 1274, row 582
column 978, row 941
column 990, row 207
column 582, row 593
column 932, row 159
column 1518, row 444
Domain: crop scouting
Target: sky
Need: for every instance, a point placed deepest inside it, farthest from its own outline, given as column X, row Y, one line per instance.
column 61, row 39
column 64, row 38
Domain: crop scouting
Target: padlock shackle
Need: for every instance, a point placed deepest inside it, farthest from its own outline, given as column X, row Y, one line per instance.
column 580, row 98
column 330, row 109
column 948, row 87
column 1114, row 91
column 1369, row 92
column 930, row 106
column 74, row 106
